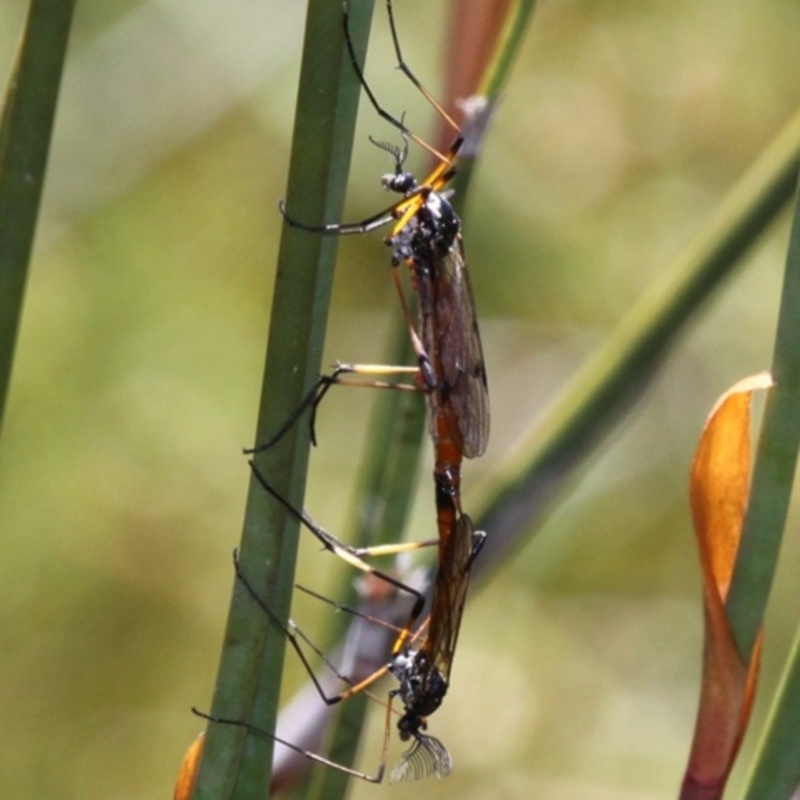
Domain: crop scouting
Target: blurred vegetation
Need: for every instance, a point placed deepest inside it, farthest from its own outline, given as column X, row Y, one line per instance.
column 140, row 355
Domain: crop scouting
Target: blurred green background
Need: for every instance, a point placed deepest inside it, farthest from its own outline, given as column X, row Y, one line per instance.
column 139, row 363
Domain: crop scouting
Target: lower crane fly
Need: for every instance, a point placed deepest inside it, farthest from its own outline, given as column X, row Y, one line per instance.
column 421, row 669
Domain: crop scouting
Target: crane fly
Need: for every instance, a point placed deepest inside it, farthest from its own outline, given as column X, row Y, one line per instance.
column 426, row 236
column 422, row 670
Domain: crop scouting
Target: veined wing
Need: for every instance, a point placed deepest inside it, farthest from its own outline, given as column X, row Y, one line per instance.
column 452, row 335
column 450, row 593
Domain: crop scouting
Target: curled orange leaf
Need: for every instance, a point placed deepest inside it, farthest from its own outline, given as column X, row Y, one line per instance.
column 719, row 490
column 188, row 771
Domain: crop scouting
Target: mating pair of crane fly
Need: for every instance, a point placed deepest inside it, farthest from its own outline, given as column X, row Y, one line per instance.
column 426, row 237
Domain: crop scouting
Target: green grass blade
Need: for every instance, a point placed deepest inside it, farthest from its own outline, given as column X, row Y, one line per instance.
column 25, row 130
column 774, row 468
column 776, row 770
column 776, row 767
column 615, row 377
column 248, row 680
column 507, row 49
column 490, row 89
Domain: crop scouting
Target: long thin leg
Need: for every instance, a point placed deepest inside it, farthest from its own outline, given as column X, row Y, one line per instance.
column 379, row 109
column 404, row 68
column 354, row 612
column 378, row 220
column 355, row 555
column 414, row 193
column 318, row 391
column 292, row 632
column 315, row 757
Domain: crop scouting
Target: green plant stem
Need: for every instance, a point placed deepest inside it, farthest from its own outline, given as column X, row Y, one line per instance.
column 25, row 131
column 507, row 48
column 773, row 472
column 248, row 681
column 616, row 376
column 776, row 768
column 491, row 85
column 776, row 771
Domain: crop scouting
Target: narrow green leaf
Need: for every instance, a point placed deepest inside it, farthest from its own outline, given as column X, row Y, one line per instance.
column 776, row 768
column 248, row 682
column 25, row 130
column 618, row 373
column 773, row 472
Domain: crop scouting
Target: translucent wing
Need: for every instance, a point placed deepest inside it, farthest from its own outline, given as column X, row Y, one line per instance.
column 464, row 370
column 450, row 593
column 426, row 756
column 450, row 335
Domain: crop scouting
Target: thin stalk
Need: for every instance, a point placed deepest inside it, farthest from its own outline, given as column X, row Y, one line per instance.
column 248, row 681
column 619, row 372
column 507, row 48
column 773, row 472
column 25, row 130
column 494, row 78
column 776, row 767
